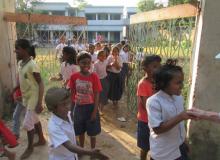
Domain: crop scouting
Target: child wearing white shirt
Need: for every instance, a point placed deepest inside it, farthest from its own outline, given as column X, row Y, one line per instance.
column 60, row 127
column 166, row 114
column 100, row 67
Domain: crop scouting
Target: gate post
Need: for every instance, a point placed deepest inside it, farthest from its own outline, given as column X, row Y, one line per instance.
column 205, row 90
column 7, row 56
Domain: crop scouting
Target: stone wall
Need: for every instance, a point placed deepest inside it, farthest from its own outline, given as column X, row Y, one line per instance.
column 7, row 56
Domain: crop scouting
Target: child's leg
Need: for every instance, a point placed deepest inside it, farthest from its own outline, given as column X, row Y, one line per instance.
column 39, row 131
column 16, row 119
column 82, row 140
column 92, row 142
column 143, row 154
column 30, row 148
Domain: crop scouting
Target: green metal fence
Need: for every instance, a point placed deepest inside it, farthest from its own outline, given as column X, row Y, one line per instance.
column 167, row 38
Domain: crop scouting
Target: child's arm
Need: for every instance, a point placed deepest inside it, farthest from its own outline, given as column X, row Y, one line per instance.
column 143, row 101
column 166, row 126
column 37, row 77
column 81, row 151
column 96, row 102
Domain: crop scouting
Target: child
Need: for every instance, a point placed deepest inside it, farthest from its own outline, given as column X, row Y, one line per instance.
column 32, row 89
column 166, row 114
column 92, row 52
column 114, row 69
column 60, row 127
column 125, row 56
column 68, row 66
column 6, row 137
column 59, row 48
column 85, row 87
column 144, row 91
column 100, row 67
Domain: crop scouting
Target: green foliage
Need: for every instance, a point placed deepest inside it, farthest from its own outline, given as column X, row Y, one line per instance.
column 147, row 5
column 176, row 2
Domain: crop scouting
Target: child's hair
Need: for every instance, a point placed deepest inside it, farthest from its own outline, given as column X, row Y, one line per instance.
column 106, row 49
column 116, row 47
column 56, row 95
column 26, row 45
column 83, row 55
column 100, row 53
column 165, row 74
column 149, row 59
column 123, row 42
column 72, row 54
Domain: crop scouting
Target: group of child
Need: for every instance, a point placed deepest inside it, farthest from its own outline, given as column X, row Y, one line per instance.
column 90, row 79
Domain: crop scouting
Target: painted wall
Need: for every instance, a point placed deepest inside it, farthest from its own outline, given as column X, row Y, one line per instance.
column 7, row 60
column 205, row 93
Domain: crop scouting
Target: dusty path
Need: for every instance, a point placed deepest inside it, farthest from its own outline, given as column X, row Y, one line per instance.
column 117, row 140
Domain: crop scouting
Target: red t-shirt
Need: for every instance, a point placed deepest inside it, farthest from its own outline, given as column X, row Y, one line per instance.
column 144, row 89
column 83, row 87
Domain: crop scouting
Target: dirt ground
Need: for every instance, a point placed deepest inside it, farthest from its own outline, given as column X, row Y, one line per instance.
column 117, row 140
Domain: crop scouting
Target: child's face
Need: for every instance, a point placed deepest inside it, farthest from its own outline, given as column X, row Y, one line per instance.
column 151, row 68
column 65, row 56
column 98, row 47
column 91, row 48
column 85, row 65
column 176, row 84
column 102, row 57
column 20, row 52
column 63, row 108
column 115, row 52
column 125, row 49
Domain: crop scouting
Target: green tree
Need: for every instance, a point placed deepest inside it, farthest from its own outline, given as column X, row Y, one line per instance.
column 146, row 5
column 176, row 2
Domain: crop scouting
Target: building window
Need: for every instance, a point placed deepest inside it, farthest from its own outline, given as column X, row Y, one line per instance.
column 102, row 16
column 58, row 13
column 91, row 36
column 102, row 36
column 115, row 16
column 114, row 37
column 91, row 16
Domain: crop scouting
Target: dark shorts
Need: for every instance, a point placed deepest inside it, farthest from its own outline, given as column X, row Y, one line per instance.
column 184, row 152
column 82, row 122
column 143, row 134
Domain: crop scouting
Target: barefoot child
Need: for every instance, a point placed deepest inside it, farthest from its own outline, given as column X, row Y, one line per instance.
column 60, row 127
column 144, row 91
column 166, row 114
column 85, row 87
column 32, row 90
column 100, row 67
column 68, row 66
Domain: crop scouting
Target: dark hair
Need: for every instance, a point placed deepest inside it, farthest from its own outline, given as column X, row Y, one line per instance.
column 116, row 48
column 122, row 42
column 72, row 54
column 149, row 59
column 26, row 45
column 126, row 45
column 83, row 55
column 101, row 52
column 165, row 74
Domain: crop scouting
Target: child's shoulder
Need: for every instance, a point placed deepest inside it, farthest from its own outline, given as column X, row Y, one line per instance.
column 144, row 81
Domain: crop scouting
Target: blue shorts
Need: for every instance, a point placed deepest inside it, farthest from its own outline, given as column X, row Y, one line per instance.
column 143, row 134
column 82, row 122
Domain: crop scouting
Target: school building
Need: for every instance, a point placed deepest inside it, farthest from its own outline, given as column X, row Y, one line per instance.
column 105, row 23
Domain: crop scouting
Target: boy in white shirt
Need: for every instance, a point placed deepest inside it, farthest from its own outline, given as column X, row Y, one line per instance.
column 59, row 48
column 60, row 127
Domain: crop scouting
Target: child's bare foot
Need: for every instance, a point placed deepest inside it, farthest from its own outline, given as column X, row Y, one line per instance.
column 27, row 153
column 40, row 143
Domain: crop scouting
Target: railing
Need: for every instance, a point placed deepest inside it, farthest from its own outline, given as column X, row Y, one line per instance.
column 167, row 32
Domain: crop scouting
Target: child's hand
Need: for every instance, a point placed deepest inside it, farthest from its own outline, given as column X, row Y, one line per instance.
column 97, row 154
column 185, row 115
column 39, row 108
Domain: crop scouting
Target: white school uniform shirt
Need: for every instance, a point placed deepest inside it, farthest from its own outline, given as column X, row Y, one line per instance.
column 75, row 46
column 161, row 107
column 124, row 56
column 100, row 68
column 59, row 49
column 110, row 59
column 67, row 70
column 61, row 131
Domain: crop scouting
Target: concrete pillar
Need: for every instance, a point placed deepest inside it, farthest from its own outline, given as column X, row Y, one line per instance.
column 108, row 36
column 96, row 16
column 109, row 16
column 8, row 59
column 205, row 91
